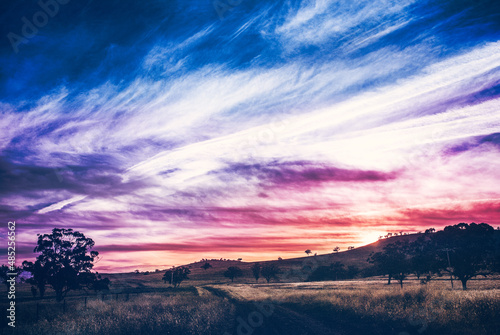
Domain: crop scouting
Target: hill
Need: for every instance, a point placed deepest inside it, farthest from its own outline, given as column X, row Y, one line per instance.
column 292, row 269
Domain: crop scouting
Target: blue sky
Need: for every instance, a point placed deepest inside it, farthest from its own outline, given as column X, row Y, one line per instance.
column 275, row 126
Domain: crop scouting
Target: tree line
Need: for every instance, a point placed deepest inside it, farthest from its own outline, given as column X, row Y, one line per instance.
column 461, row 251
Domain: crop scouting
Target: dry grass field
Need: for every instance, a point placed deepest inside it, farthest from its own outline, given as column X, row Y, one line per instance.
column 339, row 307
column 355, row 307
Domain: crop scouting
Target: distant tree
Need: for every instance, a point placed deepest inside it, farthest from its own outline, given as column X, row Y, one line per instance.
column 338, row 270
column 466, row 250
column 239, row 259
column 394, row 260
column 270, row 271
column 352, row 271
column 101, row 284
column 256, row 271
column 65, row 261
column 137, row 271
column 321, row 273
column 424, row 261
column 350, row 248
column 280, row 259
column 206, row 266
column 336, row 249
column 335, row 271
column 176, row 276
column 233, row 272
column 157, row 270
column 430, row 231
column 308, row 252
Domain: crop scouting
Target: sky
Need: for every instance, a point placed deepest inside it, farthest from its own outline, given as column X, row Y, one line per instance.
column 170, row 131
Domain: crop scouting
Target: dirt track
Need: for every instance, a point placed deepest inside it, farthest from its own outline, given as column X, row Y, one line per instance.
column 266, row 319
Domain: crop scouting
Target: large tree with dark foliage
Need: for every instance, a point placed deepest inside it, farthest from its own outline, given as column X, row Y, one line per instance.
column 233, row 272
column 176, row 276
column 424, row 260
column 395, row 260
column 256, row 268
column 466, row 250
column 65, row 262
column 270, row 271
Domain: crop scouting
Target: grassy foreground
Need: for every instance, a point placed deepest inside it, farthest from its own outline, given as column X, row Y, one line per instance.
column 355, row 307
column 345, row 307
column 183, row 312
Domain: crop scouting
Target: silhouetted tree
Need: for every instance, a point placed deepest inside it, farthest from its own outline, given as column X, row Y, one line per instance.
column 424, row 261
column 352, row 271
column 338, row 270
column 321, row 273
column 336, row 249
column 137, row 271
column 101, row 284
column 394, row 260
column 39, row 275
column 308, row 251
column 65, row 261
column 206, row 266
column 256, row 271
column 176, row 276
column 471, row 249
column 270, row 271
column 233, row 272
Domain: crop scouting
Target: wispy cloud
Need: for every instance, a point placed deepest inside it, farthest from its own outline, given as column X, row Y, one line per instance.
column 329, row 115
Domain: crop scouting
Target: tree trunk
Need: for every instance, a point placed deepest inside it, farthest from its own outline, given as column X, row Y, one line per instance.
column 464, row 284
column 389, row 281
column 401, row 283
column 41, row 288
column 59, row 295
